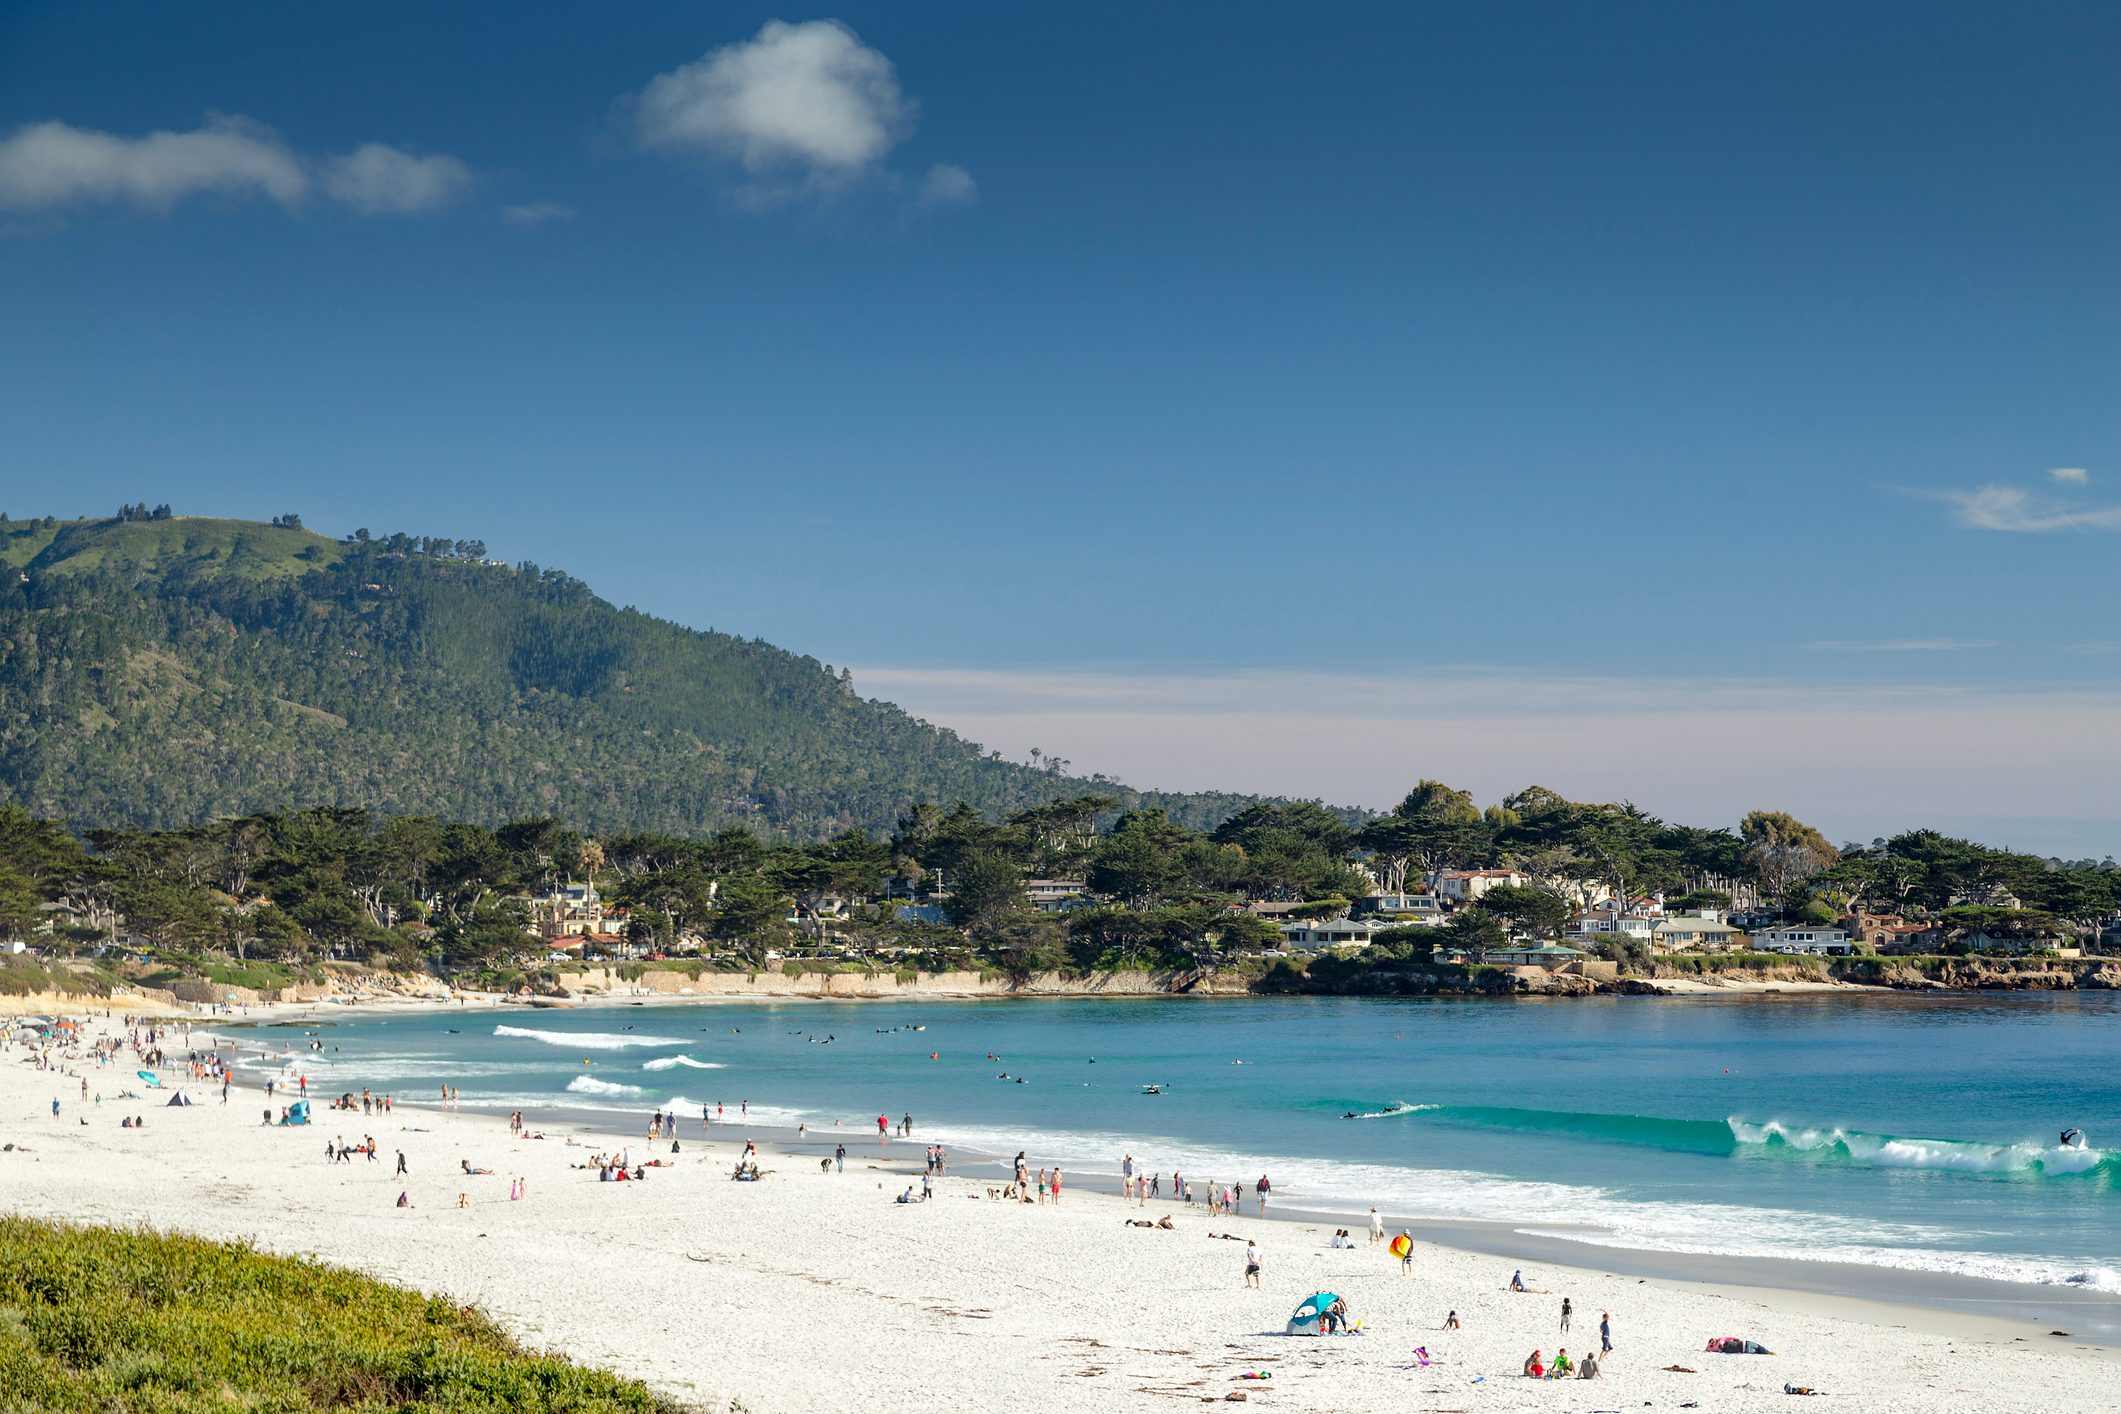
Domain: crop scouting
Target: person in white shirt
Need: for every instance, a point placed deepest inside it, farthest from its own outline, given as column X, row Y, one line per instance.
column 1252, row 1264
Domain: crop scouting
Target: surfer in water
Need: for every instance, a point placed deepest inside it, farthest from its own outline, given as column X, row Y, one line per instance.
column 2073, row 1138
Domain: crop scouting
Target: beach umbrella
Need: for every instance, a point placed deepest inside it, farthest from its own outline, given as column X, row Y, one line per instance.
column 149, row 1077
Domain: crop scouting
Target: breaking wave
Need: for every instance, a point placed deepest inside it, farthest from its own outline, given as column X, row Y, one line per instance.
column 590, row 1085
column 666, row 1062
column 1771, row 1139
column 586, row 1040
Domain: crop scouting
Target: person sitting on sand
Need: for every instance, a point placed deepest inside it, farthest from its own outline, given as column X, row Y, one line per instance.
column 1450, row 1322
column 1517, row 1280
column 1166, row 1224
column 404, row 1199
column 1533, row 1369
column 1562, row 1365
column 463, row 1201
column 1588, row 1369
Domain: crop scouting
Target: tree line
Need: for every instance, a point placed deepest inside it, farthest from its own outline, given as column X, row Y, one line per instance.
column 419, row 890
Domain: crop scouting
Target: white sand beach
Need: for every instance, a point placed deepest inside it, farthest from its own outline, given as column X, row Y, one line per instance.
column 811, row 1290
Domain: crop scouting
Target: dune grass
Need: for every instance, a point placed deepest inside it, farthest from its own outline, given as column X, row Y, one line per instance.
column 131, row 1322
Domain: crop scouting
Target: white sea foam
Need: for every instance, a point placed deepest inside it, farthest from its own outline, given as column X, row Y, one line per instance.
column 666, row 1062
column 1889, row 1151
column 586, row 1040
column 1590, row 1215
column 590, row 1085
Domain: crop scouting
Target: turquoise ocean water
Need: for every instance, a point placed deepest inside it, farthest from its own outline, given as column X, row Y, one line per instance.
column 1893, row 1131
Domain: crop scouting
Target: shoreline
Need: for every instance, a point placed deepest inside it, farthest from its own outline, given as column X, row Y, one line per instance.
column 1065, row 1307
column 1941, row 1303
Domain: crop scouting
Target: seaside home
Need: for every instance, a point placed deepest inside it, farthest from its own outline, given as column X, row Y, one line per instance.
column 1467, row 885
column 1054, row 895
column 1804, row 939
column 1692, row 934
column 569, row 908
column 1602, row 924
column 1547, row 955
column 1333, row 933
column 1405, row 908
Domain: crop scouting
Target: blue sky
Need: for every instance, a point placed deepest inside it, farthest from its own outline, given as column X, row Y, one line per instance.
column 1654, row 401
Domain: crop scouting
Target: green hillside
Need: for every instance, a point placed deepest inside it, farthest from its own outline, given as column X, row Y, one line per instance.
column 160, row 670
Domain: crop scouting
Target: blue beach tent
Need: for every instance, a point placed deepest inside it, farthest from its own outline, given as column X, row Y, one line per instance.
column 1307, row 1318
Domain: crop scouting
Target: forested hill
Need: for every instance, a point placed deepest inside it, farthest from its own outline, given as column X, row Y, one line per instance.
column 159, row 670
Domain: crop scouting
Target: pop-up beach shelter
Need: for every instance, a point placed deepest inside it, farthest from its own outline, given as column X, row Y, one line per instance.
column 298, row 1112
column 1305, row 1319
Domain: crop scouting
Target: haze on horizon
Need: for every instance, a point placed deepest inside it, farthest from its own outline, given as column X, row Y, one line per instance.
column 1697, row 406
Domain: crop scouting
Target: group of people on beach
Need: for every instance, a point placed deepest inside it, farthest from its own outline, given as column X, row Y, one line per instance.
column 1219, row 1199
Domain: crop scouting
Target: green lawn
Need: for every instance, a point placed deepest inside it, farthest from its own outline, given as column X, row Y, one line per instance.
column 101, row 1321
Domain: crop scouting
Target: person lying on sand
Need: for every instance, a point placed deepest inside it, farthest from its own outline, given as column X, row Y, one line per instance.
column 465, row 1164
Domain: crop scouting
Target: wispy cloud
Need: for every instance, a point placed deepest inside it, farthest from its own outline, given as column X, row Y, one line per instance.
column 947, row 185
column 52, row 166
column 532, row 214
column 382, row 180
column 2004, row 507
column 798, row 107
column 1901, row 645
column 1857, row 760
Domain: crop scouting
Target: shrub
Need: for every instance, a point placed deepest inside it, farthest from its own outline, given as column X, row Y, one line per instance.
column 96, row 1319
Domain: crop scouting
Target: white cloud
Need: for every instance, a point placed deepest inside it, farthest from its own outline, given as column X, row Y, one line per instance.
column 1856, row 761
column 54, row 165
column 2070, row 475
column 2013, row 508
column 532, row 214
column 796, row 106
column 948, row 185
column 810, row 96
column 382, row 180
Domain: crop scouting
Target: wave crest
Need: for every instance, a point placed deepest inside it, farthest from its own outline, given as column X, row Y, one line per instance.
column 590, row 1085
column 586, row 1040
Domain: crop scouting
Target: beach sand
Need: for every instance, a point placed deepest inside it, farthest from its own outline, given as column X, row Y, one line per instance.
column 814, row 1290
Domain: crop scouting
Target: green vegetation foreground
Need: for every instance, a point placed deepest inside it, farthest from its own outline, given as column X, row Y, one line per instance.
column 93, row 1319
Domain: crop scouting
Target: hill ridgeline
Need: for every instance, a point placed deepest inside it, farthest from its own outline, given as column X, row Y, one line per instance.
column 159, row 670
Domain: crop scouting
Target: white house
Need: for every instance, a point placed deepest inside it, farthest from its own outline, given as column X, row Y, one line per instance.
column 1601, row 925
column 1053, row 895
column 1411, row 908
column 1467, row 885
column 1803, row 938
column 1330, row 933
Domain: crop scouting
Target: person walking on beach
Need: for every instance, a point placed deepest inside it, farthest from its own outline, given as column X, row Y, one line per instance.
column 401, row 1161
column 1567, row 1310
column 1264, row 1190
column 1126, row 1173
column 1605, row 1332
column 1252, row 1264
column 1377, row 1226
column 1406, row 1258
column 839, row 1158
column 1056, row 1185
